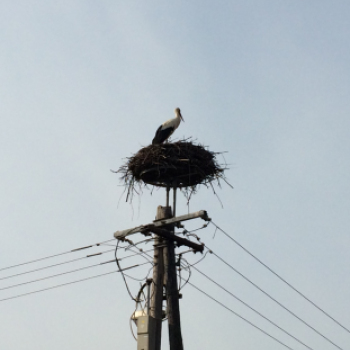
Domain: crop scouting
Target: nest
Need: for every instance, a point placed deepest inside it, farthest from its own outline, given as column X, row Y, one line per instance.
column 182, row 164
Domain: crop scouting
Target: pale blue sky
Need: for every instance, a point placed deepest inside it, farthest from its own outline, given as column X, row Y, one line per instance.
column 85, row 84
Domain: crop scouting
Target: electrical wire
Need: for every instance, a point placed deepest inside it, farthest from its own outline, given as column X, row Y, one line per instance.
column 131, row 255
column 137, row 253
column 200, row 260
column 52, row 256
column 66, row 262
column 143, row 253
column 189, row 274
column 54, row 265
column 238, row 315
column 57, row 286
column 188, row 267
column 64, row 284
column 200, row 228
column 141, row 279
column 52, row 276
column 140, row 252
column 251, row 308
column 143, row 241
column 62, row 263
column 178, row 263
column 276, row 301
column 124, row 279
column 281, row 278
column 189, row 233
column 131, row 329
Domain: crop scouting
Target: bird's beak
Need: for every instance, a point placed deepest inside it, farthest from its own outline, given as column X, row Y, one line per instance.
column 182, row 117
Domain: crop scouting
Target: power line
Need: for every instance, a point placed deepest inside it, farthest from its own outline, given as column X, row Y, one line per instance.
column 68, row 283
column 52, row 276
column 124, row 279
column 71, row 261
column 300, row 319
column 57, row 286
column 281, row 278
column 145, row 253
column 67, row 272
column 54, row 265
column 55, row 255
column 238, row 315
column 140, row 252
column 276, row 301
column 251, row 308
column 286, row 332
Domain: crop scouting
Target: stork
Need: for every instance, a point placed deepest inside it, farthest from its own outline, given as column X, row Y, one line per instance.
column 167, row 128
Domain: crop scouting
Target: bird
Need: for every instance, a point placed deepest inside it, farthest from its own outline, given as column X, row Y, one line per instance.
column 167, row 128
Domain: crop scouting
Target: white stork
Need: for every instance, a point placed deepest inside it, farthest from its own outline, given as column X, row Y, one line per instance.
column 167, row 128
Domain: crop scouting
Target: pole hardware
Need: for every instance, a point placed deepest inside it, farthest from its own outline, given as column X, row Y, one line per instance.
column 179, row 240
column 162, row 222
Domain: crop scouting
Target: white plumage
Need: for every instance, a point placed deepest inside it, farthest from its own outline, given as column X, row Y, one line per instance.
column 167, row 128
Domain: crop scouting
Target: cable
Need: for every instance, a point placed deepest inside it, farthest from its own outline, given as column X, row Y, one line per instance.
column 49, row 266
column 201, row 259
column 52, row 256
column 126, row 283
column 137, row 243
column 130, row 324
column 57, row 286
column 251, row 308
column 141, row 279
column 178, row 263
column 62, row 263
column 139, row 252
column 238, row 315
column 277, row 302
column 189, row 274
column 188, row 267
column 281, row 278
column 190, row 233
column 52, row 276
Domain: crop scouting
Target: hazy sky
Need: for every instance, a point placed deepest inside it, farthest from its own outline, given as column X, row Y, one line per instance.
column 85, row 84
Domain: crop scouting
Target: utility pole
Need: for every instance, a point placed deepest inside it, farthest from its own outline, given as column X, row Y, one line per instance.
column 164, row 274
column 170, row 283
column 172, row 293
column 157, row 287
column 172, row 297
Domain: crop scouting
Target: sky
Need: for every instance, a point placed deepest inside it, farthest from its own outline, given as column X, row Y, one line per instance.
column 85, row 84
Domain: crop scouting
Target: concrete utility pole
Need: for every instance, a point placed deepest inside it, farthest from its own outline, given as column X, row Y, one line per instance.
column 172, row 297
column 170, row 283
column 164, row 274
column 158, row 276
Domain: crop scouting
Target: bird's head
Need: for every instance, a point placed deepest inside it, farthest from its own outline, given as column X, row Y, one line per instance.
column 178, row 113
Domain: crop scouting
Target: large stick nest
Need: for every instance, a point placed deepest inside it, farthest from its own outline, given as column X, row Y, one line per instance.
column 182, row 164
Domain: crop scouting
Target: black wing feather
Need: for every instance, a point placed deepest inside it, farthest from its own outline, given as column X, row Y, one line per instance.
column 162, row 135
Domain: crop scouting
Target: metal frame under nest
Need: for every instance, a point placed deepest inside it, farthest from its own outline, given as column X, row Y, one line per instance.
column 181, row 164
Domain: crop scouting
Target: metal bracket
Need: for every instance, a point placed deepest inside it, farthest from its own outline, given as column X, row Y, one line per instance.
column 202, row 214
